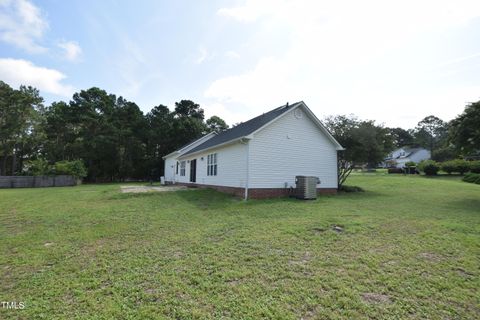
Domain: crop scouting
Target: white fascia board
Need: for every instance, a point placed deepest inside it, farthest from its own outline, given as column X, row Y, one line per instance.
column 212, row 147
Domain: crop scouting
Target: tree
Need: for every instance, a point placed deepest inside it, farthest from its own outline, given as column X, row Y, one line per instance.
column 188, row 108
column 159, row 141
column 216, row 124
column 61, row 131
column 431, row 133
column 363, row 140
column 401, row 137
column 465, row 129
column 20, row 115
column 95, row 138
column 131, row 137
column 345, row 167
column 187, row 124
column 108, row 133
column 374, row 143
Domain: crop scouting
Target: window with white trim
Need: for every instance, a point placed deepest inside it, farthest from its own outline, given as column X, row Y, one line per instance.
column 183, row 165
column 212, row 164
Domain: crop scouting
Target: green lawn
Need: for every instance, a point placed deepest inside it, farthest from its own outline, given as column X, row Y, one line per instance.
column 410, row 249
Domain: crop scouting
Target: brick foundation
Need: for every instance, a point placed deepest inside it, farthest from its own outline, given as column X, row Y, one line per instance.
column 256, row 193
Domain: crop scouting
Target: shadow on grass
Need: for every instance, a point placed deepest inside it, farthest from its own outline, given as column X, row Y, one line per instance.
column 471, row 204
column 212, row 199
column 365, row 194
column 207, row 198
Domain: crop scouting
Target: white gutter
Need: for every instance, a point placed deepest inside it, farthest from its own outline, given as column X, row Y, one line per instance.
column 186, row 155
column 170, row 154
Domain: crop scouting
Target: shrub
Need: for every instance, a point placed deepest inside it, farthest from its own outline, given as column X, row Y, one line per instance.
column 461, row 166
column 410, row 164
column 74, row 168
column 475, row 166
column 429, row 167
column 472, row 178
column 448, row 166
column 37, row 167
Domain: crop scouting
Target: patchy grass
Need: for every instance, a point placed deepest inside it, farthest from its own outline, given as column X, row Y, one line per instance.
column 408, row 247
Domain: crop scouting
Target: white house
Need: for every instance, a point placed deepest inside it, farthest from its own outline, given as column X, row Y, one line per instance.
column 400, row 156
column 260, row 157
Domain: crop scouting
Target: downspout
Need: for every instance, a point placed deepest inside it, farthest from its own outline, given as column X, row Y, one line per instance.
column 247, row 170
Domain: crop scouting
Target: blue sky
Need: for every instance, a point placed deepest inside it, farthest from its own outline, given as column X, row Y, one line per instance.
column 395, row 62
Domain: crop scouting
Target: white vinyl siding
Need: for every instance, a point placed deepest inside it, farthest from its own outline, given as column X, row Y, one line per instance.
column 171, row 172
column 420, row 155
column 170, row 168
column 231, row 167
column 288, row 147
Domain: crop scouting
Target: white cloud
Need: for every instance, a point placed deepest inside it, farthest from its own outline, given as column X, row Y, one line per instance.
column 231, row 116
column 71, row 50
column 18, row 72
column 22, row 25
column 349, row 56
column 202, row 55
column 232, row 54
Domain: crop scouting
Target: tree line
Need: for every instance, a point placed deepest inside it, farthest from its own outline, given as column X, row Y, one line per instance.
column 111, row 135
column 368, row 143
column 115, row 140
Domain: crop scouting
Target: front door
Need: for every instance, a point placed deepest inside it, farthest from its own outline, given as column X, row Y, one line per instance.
column 193, row 170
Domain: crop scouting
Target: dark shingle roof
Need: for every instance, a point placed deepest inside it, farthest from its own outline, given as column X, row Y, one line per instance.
column 243, row 129
column 410, row 151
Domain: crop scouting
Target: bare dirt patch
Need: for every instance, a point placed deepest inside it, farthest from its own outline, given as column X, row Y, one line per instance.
column 318, row 230
column 370, row 297
column 233, row 282
column 142, row 189
column 430, row 256
column 463, row 273
column 303, row 260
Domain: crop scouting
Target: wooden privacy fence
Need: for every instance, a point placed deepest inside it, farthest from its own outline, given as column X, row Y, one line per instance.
column 36, row 181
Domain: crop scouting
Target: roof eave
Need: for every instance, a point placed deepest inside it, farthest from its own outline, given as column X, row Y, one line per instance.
column 170, row 154
column 188, row 145
column 185, row 155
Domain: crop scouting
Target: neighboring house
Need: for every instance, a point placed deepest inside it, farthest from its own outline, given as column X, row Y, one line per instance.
column 400, row 156
column 261, row 157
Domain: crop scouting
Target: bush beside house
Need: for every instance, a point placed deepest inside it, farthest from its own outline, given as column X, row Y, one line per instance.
column 458, row 165
column 429, row 167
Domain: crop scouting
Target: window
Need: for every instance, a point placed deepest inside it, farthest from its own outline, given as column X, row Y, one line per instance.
column 177, row 168
column 182, row 168
column 212, row 164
